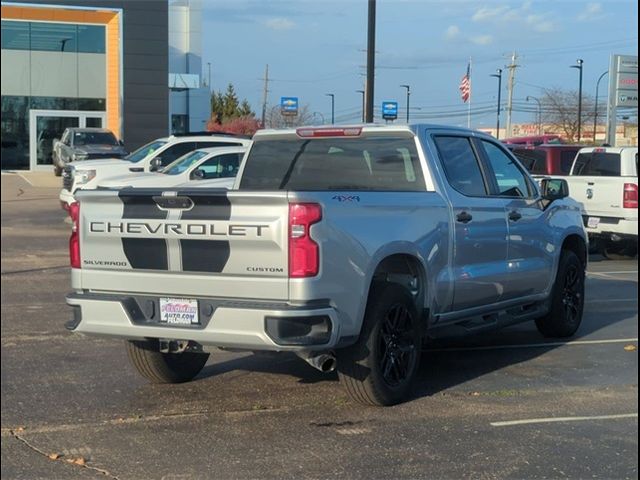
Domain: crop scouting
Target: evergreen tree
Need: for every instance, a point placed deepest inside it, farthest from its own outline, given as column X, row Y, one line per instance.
column 226, row 106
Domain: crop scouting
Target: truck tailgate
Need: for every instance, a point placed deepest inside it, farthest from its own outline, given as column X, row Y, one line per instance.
column 188, row 242
column 602, row 196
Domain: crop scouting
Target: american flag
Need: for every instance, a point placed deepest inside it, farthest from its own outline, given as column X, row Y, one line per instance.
column 465, row 85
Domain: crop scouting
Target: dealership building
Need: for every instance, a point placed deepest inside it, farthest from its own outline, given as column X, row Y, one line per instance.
column 131, row 66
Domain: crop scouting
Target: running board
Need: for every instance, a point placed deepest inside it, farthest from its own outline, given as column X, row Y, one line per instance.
column 490, row 321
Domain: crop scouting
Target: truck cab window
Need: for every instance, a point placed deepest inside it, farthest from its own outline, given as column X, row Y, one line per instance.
column 510, row 179
column 461, row 165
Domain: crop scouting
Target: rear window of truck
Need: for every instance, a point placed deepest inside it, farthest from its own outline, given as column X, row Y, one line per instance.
column 363, row 163
column 597, row 164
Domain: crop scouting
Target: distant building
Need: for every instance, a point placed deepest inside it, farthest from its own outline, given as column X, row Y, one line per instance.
column 189, row 100
column 68, row 64
column 134, row 67
column 626, row 134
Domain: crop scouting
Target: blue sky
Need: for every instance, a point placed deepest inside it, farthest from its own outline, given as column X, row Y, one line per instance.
column 317, row 47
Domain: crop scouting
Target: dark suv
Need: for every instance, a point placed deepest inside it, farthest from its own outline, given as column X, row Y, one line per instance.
column 546, row 159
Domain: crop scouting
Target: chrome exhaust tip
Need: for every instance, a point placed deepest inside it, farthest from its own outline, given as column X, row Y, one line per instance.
column 324, row 362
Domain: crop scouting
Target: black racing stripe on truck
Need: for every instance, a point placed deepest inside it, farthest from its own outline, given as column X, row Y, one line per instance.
column 207, row 207
column 206, row 255
column 144, row 253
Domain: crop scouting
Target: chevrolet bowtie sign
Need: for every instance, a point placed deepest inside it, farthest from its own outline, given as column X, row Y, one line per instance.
column 289, row 106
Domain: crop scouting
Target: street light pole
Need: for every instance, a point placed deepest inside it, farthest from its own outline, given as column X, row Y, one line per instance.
column 579, row 67
column 499, row 77
column 371, row 60
column 333, row 99
column 595, row 113
column 408, row 95
column 362, row 93
column 539, row 115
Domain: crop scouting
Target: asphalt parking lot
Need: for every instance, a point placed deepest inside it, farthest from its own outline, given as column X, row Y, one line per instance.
column 506, row 405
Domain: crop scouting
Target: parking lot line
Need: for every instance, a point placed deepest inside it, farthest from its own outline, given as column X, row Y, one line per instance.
column 621, row 272
column 534, row 345
column 511, row 423
column 25, row 179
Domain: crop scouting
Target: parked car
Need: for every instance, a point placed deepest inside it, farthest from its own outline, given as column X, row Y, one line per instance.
column 151, row 157
column 80, row 144
column 219, row 163
column 605, row 181
column 346, row 245
column 544, row 160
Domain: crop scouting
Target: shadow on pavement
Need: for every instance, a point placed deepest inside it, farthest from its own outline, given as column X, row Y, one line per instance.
column 443, row 364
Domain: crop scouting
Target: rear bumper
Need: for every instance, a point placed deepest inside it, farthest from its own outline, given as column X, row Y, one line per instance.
column 224, row 323
column 614, row 229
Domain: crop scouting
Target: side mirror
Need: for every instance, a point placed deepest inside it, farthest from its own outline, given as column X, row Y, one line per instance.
column 554, row 189
column 198, row 174
column 121, row 143
column 155, row 164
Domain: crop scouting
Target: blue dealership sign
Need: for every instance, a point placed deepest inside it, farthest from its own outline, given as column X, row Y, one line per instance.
column 389, row 110
column 289, row 105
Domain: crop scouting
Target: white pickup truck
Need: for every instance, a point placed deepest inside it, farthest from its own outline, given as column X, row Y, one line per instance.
column 605, row 181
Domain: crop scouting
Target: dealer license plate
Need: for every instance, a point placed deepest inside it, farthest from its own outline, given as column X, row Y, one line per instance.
column 179, row 311
column 593, row 222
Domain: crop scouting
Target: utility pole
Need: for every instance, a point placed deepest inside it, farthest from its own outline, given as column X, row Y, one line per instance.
column 512, row 76
column 371, row 60
column 209, row 76
column 264, row 95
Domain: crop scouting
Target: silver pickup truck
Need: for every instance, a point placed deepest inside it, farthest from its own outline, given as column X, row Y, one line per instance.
column 348, row 246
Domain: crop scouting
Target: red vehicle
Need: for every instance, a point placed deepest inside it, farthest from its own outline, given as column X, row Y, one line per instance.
column 555, row 159
column 535, row 140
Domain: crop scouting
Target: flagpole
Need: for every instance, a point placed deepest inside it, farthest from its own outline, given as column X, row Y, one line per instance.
column 470, row 95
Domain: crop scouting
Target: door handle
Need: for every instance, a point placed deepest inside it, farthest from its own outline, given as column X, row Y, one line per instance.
column 514, row 215
column 464, row 217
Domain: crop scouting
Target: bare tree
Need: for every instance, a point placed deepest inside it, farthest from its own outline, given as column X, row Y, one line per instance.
column 275, row 119
column 560, row 111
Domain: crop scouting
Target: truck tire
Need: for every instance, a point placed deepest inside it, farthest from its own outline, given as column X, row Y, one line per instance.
column 160, row 367
column 380, row 367
column 567, row 299
column 620, row 251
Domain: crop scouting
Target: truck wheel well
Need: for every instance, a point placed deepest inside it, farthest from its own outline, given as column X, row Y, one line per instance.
column 405, row 270
column 576, row 244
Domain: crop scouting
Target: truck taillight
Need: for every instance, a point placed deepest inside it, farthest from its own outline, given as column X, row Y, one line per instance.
column 74, row 240
column 630, row 198
column 304, row 253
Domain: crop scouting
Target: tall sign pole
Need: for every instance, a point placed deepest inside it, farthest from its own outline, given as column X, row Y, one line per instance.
column 623, row 90
column 371, row 61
